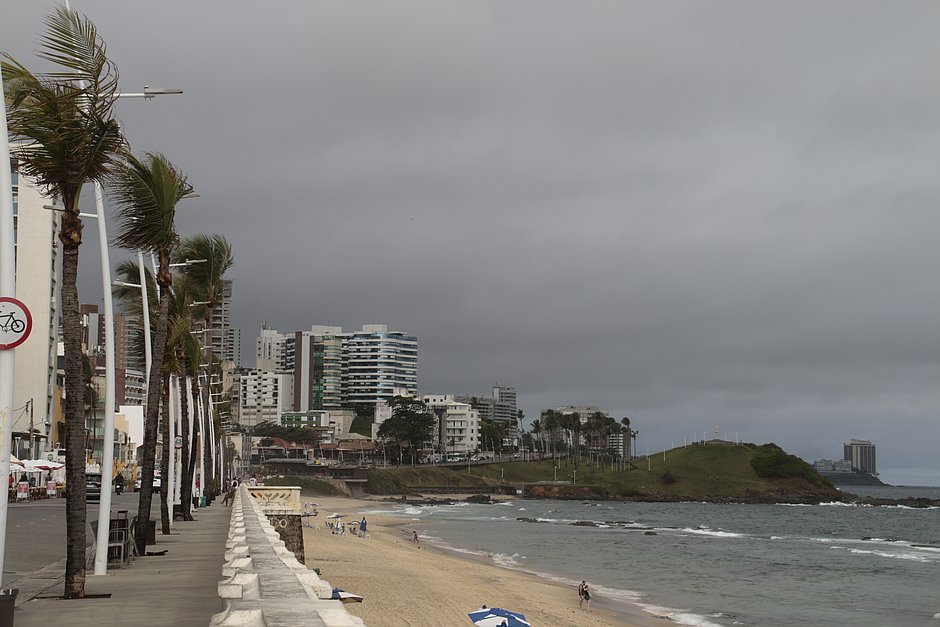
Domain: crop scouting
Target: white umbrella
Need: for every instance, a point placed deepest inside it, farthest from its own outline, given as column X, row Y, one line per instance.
column 14, row 461
column 43, row 464
column 335, row 516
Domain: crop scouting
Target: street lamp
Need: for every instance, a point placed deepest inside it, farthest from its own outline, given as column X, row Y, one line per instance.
column 107, row 462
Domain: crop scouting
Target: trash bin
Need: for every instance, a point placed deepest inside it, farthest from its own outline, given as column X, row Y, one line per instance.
column 7, row 602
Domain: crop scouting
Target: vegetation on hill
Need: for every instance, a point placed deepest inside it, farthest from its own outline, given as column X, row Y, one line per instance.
column 308, row 485
column 417, row 478
column 716, row 471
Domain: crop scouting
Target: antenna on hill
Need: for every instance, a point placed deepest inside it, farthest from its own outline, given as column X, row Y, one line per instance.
column 717, row 433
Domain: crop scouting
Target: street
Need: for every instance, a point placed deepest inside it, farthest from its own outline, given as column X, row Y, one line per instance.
column 36, row 532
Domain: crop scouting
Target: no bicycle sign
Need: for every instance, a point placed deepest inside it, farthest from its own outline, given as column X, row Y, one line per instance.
column 15, row 323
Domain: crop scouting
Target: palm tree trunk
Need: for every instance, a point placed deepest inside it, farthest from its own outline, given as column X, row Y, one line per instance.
column 165, row 458
column 74, row 413
column 150, row 425
column 186, row 481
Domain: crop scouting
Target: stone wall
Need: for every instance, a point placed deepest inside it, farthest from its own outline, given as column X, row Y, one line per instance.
column 265, row 585
column 282, row 506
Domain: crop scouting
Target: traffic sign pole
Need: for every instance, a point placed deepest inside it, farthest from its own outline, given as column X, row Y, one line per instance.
column 7, row 288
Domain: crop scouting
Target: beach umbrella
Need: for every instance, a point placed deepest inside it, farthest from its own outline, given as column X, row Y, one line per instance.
column 346, row 597
column 42, row 464
column 498, row 617
column 335, row 516
column 14, row 461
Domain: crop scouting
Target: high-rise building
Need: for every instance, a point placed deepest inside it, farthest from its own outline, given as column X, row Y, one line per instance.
column 38, row 273
column 318, row 368
column 862, row 455
column 264, row 396
column 376, row 361
column 331, row 369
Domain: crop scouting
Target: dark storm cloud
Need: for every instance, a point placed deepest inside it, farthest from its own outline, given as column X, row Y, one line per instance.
column 693, row 214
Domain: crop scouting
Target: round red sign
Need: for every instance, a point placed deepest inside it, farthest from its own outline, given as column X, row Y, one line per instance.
column 15, row 322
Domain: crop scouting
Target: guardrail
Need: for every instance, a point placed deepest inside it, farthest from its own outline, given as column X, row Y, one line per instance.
column 265, row 585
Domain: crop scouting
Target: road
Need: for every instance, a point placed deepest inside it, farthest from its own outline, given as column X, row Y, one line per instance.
column 36, row 532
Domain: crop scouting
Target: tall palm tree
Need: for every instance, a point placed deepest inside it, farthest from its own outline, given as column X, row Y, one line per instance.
column 147, row 192
column 536, row 429
column 207, row 284
column 192, row 361
column 179, row 353
column 69, row 136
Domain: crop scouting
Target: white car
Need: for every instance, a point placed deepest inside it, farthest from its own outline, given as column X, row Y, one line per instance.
column 156, row 484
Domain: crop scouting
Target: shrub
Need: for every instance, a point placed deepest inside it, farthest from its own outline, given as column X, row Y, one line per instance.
column 308, row 485
column 379, row 482
column 772, row 462
column 668, row 478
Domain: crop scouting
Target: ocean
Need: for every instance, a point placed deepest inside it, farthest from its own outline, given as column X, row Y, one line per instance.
column 707, row 564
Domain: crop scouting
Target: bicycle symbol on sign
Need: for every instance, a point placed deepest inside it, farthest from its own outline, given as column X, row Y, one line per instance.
column 12, row 323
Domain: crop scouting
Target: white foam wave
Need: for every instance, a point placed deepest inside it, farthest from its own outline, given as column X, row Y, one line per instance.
column 899, row 555
column 563, row 521
column 794, row 505
column 504, row 503
column 709, row 532
column 507, row 561
column 678, row 616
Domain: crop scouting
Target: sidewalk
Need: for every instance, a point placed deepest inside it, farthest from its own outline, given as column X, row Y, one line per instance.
column 178, row 588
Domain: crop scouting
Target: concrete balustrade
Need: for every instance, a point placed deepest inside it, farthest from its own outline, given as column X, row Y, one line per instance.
column 265, row 584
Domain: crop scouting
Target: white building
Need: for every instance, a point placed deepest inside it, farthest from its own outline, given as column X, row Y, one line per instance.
column 38, row 274
column 376, row 361
column 264, row 396
column 458, row 424
column 273, row 350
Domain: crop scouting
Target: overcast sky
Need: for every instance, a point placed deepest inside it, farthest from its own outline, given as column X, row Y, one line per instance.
column 689, row 213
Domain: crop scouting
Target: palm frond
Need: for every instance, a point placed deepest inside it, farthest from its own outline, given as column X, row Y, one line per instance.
column 72, row 42
column 147, row 192
column 207, row 278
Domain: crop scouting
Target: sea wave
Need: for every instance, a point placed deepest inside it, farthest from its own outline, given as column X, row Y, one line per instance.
column 914, row 557
column 704, row 531
column 680, row 617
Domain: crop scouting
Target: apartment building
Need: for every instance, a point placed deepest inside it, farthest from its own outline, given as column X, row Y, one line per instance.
column 458, row 424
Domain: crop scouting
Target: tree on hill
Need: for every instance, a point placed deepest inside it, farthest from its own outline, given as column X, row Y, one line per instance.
column 410, row 426
column 491, row 433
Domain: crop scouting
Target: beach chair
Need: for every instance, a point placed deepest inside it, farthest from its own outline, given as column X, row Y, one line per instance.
column 310, row 510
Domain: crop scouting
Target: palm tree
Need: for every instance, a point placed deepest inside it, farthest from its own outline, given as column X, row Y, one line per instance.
column 206, row 281
column 147, row 192
column 183, row 356
column 536, row 429
column 65, row 121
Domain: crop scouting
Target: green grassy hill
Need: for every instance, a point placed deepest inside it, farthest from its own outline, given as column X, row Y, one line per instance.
column 716, row 471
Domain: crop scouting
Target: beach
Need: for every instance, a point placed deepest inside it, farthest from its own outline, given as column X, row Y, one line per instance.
column 408, row 584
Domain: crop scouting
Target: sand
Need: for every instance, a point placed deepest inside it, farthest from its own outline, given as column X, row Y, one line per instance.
column 411, row 585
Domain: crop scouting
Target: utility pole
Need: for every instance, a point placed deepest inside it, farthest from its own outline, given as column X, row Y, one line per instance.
column 32, row 450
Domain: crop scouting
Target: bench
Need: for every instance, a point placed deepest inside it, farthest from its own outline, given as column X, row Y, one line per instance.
column 121, row 544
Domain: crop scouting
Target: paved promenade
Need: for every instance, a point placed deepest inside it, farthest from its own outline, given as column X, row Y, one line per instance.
column 178, row 588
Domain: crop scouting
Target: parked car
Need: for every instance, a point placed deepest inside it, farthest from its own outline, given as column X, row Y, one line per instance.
column 156, row 484
column 92, row 486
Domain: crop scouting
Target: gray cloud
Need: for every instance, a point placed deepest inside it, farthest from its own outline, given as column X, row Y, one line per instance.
column 691, row 214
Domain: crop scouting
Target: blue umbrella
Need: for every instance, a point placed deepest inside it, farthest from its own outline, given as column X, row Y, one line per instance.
column 498, row 617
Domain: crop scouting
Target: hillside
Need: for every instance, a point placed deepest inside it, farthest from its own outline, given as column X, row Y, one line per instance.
column 717, row 471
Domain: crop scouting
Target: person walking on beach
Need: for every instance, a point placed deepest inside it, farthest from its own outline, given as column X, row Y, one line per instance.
column 362, row 527
column 585, row 593
column 414, row 537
